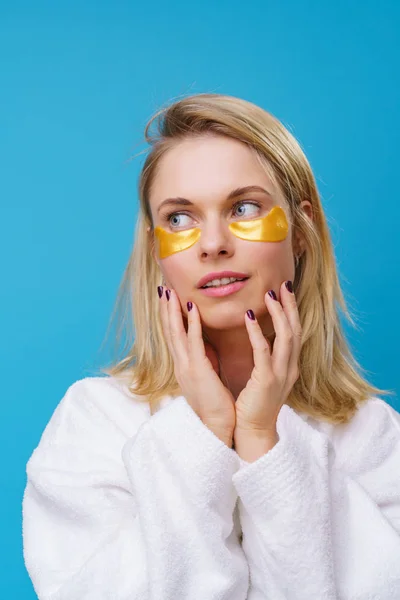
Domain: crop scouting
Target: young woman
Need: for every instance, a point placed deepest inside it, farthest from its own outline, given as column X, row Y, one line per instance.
column 235, row 451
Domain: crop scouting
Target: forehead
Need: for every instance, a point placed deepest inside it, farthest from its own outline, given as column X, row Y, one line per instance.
column 209, row 167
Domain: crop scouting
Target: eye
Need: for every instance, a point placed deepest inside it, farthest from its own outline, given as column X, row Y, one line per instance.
column 177, row 222
column 242, row 204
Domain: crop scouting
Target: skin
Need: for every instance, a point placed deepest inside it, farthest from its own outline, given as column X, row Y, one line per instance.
column 204, row 170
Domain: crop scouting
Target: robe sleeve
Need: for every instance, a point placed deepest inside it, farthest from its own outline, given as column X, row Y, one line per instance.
column 144, row 518
column 322, row 520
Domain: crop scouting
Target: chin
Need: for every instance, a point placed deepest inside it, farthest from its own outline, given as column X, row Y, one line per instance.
column 223, row 317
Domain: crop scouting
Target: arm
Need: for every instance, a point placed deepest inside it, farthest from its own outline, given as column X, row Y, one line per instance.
column 320, row 525
column 194, row 530
column 146, row 518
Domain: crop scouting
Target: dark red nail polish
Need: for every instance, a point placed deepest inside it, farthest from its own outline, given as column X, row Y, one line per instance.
column 168, row 294
column 250, row 314
column 160, row 290
column 289, row 286
column 189, row 306
column 272, row 294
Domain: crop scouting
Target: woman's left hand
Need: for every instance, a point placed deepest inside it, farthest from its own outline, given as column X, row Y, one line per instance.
column 274, row 373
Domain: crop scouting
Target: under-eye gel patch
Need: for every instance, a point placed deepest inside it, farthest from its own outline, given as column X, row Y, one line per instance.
column 271, row 228
column 169, row 243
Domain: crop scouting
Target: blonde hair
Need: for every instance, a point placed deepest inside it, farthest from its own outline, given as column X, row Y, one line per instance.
column 331, row 382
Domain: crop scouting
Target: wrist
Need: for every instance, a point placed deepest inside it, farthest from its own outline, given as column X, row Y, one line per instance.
column 226, row 439
column 251, row 445
column 223, row 435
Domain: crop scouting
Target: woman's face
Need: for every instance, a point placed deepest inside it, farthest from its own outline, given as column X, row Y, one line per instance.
column 205, row 171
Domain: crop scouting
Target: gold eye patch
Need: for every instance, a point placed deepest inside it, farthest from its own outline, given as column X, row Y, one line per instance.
column 272, row 228
column 169, row 243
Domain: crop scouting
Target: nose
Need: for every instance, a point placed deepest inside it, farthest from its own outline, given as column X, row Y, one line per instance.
column 215, row 240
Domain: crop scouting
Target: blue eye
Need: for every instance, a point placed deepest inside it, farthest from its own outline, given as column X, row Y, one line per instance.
column 244, row 202
column 176, row 215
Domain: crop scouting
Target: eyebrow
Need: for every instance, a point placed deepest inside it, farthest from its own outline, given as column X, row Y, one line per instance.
column 233, row 194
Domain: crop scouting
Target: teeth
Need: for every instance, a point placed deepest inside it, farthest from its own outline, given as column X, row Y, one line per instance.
column 223, row 281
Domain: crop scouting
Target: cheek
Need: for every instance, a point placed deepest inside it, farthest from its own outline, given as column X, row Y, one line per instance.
column 177, row 269
column 272, row 259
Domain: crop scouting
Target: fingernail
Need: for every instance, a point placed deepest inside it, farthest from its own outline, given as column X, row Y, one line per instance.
column 160, row 290
column 250, row 314
column 272, row 294
column 189, row 306
column 168, row 294
column 289, row 286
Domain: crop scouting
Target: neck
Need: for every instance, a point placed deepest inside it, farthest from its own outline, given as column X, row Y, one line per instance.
column 235, row 354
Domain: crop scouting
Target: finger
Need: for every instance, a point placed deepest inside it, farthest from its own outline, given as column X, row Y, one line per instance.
column 283, row 338
column 165, row 322
column 196, row 348
column 177, row 329
column 289, row 304
column 260, row 345
column 199, row 350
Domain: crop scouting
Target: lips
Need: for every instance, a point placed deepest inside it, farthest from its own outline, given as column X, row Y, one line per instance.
column 224, row 290
column 221, row 275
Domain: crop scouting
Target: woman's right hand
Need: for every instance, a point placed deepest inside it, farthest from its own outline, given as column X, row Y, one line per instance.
column 195, row 369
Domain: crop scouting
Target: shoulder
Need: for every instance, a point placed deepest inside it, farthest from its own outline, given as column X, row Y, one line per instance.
column 370, row 439
column 99, row 411
column 111, row 398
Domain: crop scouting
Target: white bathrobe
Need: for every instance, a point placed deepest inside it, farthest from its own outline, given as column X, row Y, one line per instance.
column 124, row 505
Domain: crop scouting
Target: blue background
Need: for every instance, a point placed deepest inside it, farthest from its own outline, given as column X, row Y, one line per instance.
column 79, row 81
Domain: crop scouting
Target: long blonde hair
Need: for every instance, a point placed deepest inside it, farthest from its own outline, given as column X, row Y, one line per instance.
column 331, row 382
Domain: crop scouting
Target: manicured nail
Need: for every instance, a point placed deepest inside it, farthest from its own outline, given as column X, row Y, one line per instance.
column 250, row 314
column 189, row 306
column 289, row 286
column 272, row 294
column 168, row 294
column 160, row 290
